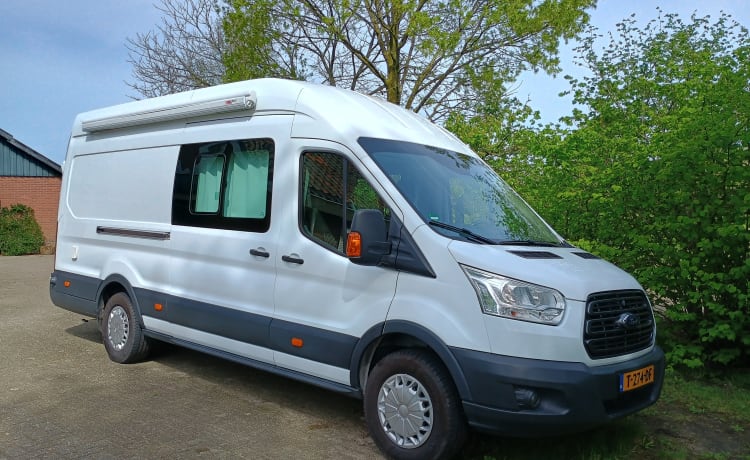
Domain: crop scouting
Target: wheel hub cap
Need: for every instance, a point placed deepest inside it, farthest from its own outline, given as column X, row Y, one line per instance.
column 118, row 328
column 405, row 411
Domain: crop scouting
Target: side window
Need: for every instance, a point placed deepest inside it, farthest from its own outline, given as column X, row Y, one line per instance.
column 332, row 190
column 207, row 176
column 224, row 185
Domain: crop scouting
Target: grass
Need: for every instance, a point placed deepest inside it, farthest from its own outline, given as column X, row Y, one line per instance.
column 695, row 418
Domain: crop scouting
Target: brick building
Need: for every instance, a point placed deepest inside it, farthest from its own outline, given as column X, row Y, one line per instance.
column 28, row 177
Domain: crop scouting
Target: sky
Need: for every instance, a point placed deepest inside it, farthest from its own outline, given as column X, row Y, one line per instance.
column 63, row 58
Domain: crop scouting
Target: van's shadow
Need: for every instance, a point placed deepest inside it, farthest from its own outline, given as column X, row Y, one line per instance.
column 298, row 396
column 88, row 330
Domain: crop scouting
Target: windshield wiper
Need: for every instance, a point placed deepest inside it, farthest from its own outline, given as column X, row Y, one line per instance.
column 548, row 244
column 465, row 232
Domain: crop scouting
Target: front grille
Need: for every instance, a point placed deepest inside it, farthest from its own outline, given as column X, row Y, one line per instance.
column 617, row 323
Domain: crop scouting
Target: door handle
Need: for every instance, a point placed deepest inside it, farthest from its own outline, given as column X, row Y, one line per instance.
column 260, row 252
column 293, row 260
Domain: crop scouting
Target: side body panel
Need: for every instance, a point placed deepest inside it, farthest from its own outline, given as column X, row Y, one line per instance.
column 445, row 305
column 114, row 215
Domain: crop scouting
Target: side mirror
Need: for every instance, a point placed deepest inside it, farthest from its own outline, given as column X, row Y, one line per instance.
column 366, row 242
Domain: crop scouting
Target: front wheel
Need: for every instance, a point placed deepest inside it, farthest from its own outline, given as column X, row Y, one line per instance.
column 412, row 408
column 121, row 331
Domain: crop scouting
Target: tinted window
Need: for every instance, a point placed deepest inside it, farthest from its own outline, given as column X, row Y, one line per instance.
column 458, row 190
column 224, row 185
column 332, row 190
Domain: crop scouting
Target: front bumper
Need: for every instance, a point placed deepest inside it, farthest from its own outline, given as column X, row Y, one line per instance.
column 571, row 396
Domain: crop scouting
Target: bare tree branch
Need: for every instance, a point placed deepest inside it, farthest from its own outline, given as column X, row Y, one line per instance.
column 184, row 52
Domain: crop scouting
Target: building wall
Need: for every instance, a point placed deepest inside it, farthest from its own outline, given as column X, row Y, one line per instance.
column 13, row 162
column 40, row 193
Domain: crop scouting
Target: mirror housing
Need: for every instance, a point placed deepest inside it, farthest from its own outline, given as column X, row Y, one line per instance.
column 366, row 243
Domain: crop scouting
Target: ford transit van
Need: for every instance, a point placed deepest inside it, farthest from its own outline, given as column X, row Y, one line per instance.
column 340, row 240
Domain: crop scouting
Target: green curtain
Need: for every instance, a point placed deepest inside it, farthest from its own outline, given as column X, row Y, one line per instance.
column 208, row 188
column 247, row 185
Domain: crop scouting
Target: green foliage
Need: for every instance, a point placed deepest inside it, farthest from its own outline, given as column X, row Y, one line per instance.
column 19, row 231
column 364, row 196
column 652, row 173
column 665, row 176
column 250, row 37
column 499, row 128
column 429, row 56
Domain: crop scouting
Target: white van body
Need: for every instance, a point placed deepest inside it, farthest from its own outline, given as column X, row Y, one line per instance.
column 261, row 276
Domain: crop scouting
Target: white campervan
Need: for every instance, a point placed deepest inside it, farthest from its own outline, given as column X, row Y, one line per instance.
column 341, row 240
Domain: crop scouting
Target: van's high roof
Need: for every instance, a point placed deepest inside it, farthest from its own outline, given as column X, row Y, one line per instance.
column 321, row 112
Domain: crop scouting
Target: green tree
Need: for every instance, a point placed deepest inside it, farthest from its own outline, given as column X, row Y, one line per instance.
column 253, row 47
column 431, row 56
column 653, row 173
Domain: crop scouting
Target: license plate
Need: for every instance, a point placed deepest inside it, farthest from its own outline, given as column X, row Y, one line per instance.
column 637, row 378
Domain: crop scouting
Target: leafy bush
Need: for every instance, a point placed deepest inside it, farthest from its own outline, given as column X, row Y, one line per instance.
column 667, row 176
column 19, row 231
column 653, row 173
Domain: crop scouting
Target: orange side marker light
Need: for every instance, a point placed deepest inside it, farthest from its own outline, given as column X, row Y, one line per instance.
column 297, row 342
column 66, row 283
column 354, row 244
column 158, row 307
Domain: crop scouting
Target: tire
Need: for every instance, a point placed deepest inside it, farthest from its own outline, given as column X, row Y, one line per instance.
column 122, row 332
column 412, row 408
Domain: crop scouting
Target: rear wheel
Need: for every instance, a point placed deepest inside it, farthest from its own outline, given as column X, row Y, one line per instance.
column 122, row 332
column 412, row 408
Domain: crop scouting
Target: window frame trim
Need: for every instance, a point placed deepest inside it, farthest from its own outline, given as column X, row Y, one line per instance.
column 183, row 213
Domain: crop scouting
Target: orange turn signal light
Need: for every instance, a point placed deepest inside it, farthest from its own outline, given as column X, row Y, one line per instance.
column 354, row 245
column 66, row 283
column 297, row 342
column 158, row 307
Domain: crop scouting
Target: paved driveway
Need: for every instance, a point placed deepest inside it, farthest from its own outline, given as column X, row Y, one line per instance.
column 61, row 397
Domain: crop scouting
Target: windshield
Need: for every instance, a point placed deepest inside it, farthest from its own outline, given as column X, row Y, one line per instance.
column 459, row 195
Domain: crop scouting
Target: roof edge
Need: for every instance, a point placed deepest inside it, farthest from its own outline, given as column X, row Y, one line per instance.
column 7, row 137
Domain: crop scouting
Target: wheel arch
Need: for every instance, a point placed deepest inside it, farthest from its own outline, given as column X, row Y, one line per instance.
column 393, row 335
column 112, row 285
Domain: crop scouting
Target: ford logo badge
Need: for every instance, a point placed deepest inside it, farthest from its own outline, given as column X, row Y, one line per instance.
column 627, row 321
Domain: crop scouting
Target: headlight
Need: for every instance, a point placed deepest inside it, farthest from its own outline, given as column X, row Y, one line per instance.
column 509, row 298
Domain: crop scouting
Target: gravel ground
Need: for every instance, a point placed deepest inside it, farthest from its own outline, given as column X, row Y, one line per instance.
column 61, row 397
